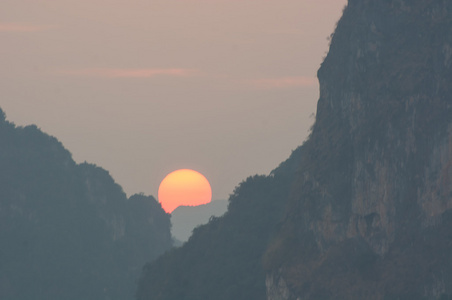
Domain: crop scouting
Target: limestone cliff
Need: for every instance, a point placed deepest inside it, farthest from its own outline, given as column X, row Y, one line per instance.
column 369, row 216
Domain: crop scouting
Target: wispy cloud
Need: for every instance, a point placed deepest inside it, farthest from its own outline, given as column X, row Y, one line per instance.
column 129, row 73
column 283, row 82
column 18, row 27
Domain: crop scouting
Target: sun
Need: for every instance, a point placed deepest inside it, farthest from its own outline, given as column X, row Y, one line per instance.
column 184, row 187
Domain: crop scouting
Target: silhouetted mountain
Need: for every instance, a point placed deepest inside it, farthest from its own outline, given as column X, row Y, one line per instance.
column 185, row 218
column 363, row 209
column 67, row 231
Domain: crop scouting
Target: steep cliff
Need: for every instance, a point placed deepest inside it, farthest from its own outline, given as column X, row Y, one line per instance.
column 369, row 216
column 67, row 230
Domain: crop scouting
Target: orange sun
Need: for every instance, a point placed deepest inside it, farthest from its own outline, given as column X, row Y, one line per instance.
column 184, row 187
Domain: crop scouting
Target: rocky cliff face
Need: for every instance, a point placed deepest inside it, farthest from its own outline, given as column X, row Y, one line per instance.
column 370, row 211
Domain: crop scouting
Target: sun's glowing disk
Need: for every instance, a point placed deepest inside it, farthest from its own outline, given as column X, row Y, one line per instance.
column 184, row 187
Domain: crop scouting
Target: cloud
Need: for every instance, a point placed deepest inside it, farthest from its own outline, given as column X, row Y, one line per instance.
column 129, row 73
column 17, row 27
column 283, row 82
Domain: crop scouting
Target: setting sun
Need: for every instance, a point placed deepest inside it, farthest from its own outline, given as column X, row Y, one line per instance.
column 184, row 187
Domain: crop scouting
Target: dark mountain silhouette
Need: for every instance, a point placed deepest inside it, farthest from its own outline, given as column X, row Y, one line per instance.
column 67, row 230
column 185, row 218
column 363, row 209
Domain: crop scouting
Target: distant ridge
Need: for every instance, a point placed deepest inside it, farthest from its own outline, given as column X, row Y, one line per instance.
column 185, row 218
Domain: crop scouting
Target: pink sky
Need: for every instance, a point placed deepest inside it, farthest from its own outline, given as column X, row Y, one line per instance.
column 127, row 73
column 144, row 87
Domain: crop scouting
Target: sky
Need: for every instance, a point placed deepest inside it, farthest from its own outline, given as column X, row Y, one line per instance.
column 144, row 87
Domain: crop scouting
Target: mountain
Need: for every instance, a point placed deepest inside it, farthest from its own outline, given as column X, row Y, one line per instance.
column 370, row 215
column 362, row 210
column 67, row 230
column 185, row 218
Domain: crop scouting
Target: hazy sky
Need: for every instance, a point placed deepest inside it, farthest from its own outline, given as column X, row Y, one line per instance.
column 145, row 87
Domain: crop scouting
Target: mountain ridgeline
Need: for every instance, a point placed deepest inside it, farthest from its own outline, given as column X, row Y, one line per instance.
column 363, row 209
column 185, row 218
column 67, row 230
